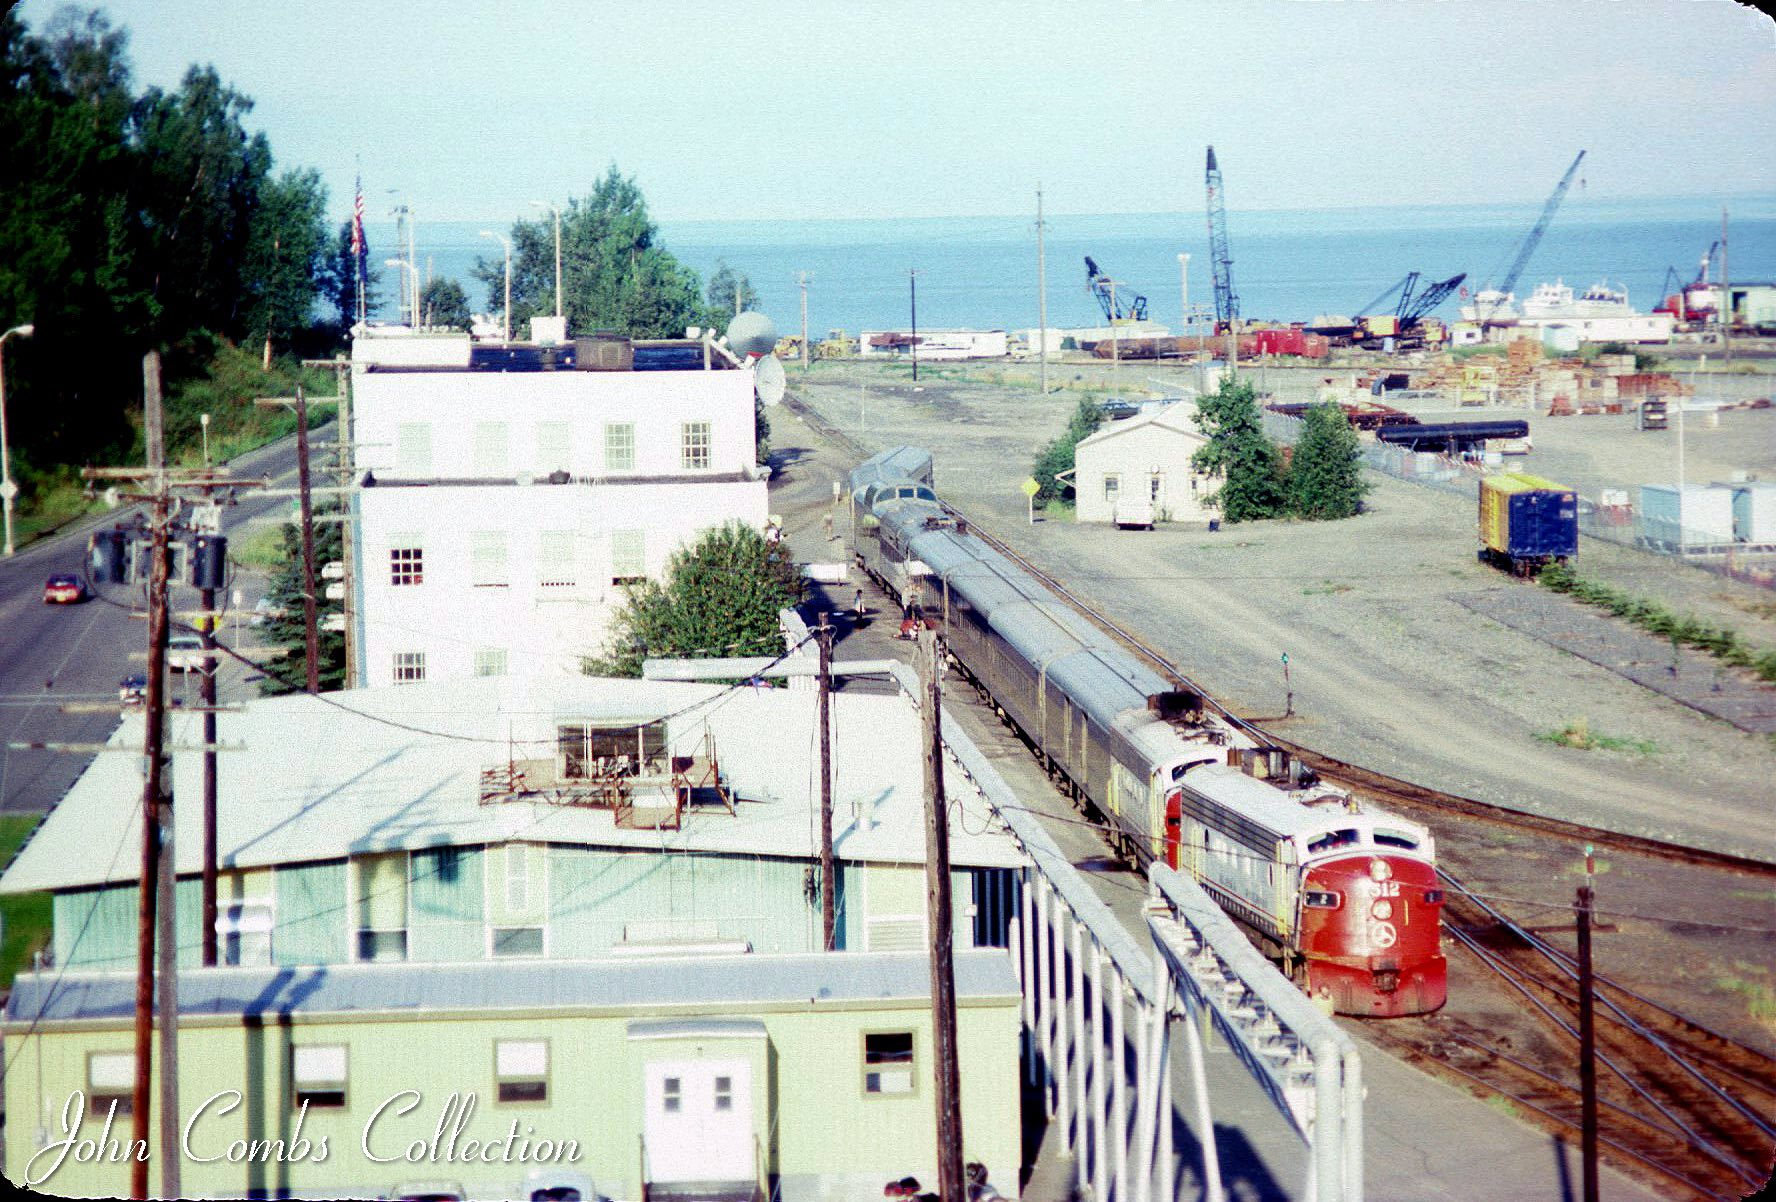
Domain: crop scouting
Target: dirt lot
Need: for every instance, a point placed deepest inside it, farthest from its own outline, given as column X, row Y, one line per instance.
column 1387, row 670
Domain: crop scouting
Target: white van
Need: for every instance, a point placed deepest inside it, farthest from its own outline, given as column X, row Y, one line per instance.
column 185, row 653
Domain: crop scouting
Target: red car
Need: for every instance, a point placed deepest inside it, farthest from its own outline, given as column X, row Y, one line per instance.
column 64, row 589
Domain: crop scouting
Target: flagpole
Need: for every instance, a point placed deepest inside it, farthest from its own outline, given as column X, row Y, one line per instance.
column 358, row 248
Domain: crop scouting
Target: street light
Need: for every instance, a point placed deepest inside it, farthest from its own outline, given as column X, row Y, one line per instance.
column 506, row 317
column 8, row 490
column 406, row 266
column 204, row 420
column 543, row 204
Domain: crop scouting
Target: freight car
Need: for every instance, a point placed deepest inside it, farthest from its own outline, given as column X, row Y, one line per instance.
column 1344, row 894
column 1527, row 523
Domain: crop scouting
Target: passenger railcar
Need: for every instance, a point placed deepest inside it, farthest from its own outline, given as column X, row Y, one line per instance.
column 1347, row 893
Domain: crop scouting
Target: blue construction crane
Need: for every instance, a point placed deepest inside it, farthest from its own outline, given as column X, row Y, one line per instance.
column 1227, row 301
column 1130, row 306
column 1529, row 243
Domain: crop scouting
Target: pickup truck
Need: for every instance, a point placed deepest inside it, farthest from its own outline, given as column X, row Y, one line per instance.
column 1134, row 510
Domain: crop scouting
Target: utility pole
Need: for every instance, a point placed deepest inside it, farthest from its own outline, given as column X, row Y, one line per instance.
column 1726, row 305
column 828, row 871
column 802, row 278
column 155, row 894
column 1587, row 1035
column 1184, row 326
column 308, row 556
column 913, row 283
column 207, row 697
column 1041, row 291
column 1115, row 343
column 937, row 902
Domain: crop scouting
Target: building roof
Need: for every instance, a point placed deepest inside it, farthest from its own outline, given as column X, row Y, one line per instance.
column 399, row 768
column 1175, row 418
column 684, row 985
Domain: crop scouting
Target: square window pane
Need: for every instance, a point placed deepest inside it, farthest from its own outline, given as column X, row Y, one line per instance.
column 619, row 447
column 517, row 941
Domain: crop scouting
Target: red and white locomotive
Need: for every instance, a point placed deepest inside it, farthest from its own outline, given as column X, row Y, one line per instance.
column 1342, row 893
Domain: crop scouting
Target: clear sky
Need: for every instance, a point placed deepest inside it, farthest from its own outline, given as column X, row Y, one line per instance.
column 773, row 109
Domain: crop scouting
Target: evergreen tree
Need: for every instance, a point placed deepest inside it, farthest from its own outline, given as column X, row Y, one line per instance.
column 339, row 281
column 1251, row 470
column 443, row 303
column 721, row 596
column 724, row 286
column 289, row 673
column 1325, row 479
column 1057, row 455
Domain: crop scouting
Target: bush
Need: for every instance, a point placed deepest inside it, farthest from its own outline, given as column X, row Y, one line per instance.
column 1057, row 455
column 1251, row 470
column 1325, row 478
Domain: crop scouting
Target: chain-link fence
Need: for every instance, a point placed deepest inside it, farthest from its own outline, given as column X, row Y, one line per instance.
column 1607, row 516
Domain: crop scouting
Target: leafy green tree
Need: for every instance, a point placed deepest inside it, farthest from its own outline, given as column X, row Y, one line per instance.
column 283, row 267
column 1251, row 470
column 1056, row 456
column 614, row 276
column 1325, row 479
column 721, row 596
column 444, row 304
column 289, row 673
column 724, row 286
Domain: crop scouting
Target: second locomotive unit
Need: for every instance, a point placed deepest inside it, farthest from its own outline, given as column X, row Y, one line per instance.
column 1346, row 894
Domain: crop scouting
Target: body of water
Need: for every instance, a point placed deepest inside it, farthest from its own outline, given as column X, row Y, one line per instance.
column 1287, row 265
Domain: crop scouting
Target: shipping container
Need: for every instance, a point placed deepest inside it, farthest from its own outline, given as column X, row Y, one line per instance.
column 1754, row 512
column 1527, row 522
column 1699, row 516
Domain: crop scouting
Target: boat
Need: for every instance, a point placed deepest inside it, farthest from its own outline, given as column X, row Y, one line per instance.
column 1553, row 302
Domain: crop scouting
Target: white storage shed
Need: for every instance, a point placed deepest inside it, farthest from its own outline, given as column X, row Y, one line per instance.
column 1754, row 512
column 1696, row 515
column 1150, row 451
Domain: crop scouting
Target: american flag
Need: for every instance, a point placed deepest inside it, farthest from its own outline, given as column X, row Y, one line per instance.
column 358, row 223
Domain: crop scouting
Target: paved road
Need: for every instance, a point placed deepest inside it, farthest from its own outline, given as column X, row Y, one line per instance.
column 54, row 654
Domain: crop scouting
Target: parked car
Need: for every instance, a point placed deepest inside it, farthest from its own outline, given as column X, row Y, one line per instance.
column 185, row 653
column 264, row 610
column 559, row 1185
column 429, row 1191
column 133, row 688
column 1116, row 410
column 64, row 588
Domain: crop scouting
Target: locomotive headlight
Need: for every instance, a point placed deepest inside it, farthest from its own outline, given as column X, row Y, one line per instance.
column 1381, row 870
column 1383, row 909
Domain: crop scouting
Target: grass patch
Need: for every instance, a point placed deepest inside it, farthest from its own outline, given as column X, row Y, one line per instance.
column 262, row 549
column 1721, row 642
column 1057, row 510
column 1760, row 999
column 1326, row 588
column 27, row 915
column 1502, row 1104
column 1578, row 735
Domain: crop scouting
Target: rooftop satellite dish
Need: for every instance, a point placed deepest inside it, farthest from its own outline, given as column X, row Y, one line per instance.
column 752, row 335
column 768, row 380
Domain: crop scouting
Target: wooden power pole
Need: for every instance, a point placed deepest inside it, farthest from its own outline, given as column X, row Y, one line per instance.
column 802, row 278
column 829, row 879
column 308, row 547
column 937, row 904
column 1041, row 292
column 1587, row 1038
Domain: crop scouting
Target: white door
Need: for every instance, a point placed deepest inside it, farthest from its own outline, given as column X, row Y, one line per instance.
column 698, row 1120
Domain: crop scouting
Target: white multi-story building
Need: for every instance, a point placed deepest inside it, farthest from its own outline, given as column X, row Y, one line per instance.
column 503, row 511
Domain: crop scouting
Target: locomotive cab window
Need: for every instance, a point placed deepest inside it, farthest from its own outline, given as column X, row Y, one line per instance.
column 1388, row 838
column 1331, row 840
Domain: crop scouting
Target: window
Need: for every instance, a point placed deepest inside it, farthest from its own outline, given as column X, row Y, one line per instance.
column 1320, row 899
column 693, row 438
column 110, row 1081
column 491, row 457
column 671, row 1094
column 1330, row 840
column 1391, row 838
column 244, row 932
column 318, row 1075
column 406, row 561
column 490, row 661
column 413, row 449
column 521, row 1068
column 487, row 559
column 554, row 448
column 724, row 1093
column 409, row 667
column 628, row 556
column 1112, row 486
column 619, row 446
column 382, row 905
column 888, row 1062
column 517, row 877
column 513, row 943
column 555, row 559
